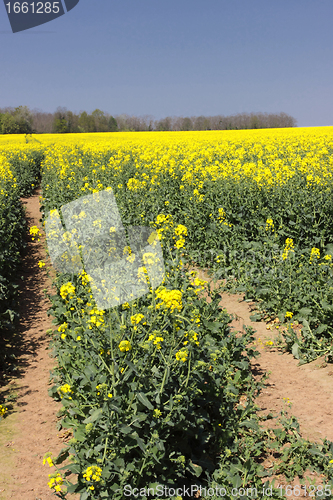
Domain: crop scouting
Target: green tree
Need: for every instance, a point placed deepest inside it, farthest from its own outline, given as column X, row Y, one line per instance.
column 86, row 123
column 24, row 119
column 9, row 124
column 113, row 126
column 101, row 121
column 60, row 123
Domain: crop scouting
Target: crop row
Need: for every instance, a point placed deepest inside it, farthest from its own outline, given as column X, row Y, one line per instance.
column 19, row 174
column 157, row 391
column 241, row 198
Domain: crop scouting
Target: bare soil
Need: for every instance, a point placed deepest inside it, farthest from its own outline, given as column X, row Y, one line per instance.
column 309, row 387
column 30, row 431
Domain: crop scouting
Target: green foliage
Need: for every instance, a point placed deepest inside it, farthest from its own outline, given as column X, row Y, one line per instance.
column 19, row 121
column 25, row 168
column 167, row 419
column 237, row 246
column 145, row 418
column 167, row 398
column 113, row 127
column 12, row 232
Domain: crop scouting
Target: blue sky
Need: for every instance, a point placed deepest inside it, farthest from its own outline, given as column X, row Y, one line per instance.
column 177, row 58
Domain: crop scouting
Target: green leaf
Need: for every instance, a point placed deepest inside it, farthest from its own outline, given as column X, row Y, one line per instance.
column 295, row 350
column 94, row 416
column 64, row 453
column 143, row 399
column 305, row 311
column 195, row 469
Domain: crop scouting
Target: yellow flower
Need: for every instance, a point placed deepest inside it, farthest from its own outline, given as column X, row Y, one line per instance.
column 93, row 473
column 65, row 389
column 63, row 327
column 125, row 345
column 34, row 231
column 270, row 225
column 41, row 264
column 180, row 229
column 288, row 248
column 135, row 320
column 199, row 284
column 157, row 413
column 181, row 356
column 67, row 289
column 315, row 254
column 49, row 461
column 55, row 482
column 171, row 299
column 180, row 243
column 3, row 411
column 289, row 314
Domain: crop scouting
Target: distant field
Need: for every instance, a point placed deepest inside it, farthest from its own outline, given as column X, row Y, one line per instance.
column 151, row 388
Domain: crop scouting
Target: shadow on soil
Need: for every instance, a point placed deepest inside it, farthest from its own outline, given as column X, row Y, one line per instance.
column 17, row 349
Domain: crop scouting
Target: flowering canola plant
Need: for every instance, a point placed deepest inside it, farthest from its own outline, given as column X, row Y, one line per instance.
column 144, row 382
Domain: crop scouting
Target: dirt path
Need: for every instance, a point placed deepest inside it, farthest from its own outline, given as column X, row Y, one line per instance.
column 30, row 430
column 309, row 387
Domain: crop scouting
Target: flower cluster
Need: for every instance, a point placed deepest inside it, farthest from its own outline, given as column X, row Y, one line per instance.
column 55, row 482
column 191, row 336
column 171, row 299
column 93, row 474
column 135, row 184
column 143, row 274
column 96, row 317
column 180, row 232
column 315, row 254
column 34, row 231
column 166, row 223
column 222, row 218
column 63, row 327
column 135, row 320
column 67, row 290
column 288, row 248
column 125, row 345
column 181, row 355
column 199, row 285
column 156, row 340
column 48, row 460
column 3, row 411
column 65, row 389
column 85, row 278
column 269, row 225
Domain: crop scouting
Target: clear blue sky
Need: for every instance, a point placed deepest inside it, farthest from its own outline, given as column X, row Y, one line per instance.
column 176, row 57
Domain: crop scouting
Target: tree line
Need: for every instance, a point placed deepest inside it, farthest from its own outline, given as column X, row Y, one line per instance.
column 22, row 120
